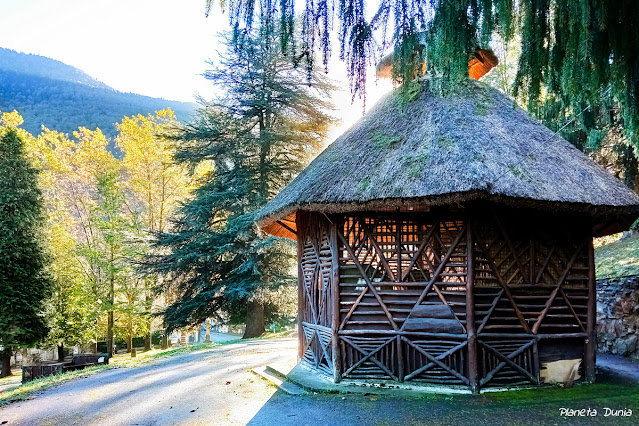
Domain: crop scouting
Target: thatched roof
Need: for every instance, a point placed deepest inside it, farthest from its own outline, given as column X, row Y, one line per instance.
column 433, row 150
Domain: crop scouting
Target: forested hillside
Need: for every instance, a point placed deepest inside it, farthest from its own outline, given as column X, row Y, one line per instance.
column 58, row 96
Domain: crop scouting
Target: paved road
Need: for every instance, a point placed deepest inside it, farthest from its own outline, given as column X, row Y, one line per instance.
column 214, row 387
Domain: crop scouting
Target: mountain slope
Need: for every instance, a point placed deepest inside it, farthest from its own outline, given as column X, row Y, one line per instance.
column 60, row 97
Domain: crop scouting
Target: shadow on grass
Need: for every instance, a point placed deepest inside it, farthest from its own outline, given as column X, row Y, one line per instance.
column 518, row 407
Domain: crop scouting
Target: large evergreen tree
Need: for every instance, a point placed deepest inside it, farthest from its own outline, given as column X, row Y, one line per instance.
column 258, row 135
column 25, row 282
column 579, row 51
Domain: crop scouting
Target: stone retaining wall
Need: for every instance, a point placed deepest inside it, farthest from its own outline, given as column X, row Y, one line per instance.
column 618, row 316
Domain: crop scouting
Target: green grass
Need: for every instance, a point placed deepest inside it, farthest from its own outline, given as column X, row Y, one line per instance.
column 618, row 259
column 25, row 391
column 539, row 406
column 22, row 392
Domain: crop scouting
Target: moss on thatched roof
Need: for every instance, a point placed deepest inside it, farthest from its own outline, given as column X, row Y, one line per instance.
column 431, row 150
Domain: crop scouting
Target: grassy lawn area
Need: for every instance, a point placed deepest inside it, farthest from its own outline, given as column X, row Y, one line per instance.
column 544, row 405
column 518, row 407
column 618, row 259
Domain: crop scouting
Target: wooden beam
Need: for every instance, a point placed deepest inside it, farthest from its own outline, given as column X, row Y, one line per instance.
column 421, row 248
column 400, row 358
column 408, row 333
column 532, row 254
column 545, row 264
column 510, row 244
column 301, row 308
column 440, row 268
column 572, row 310
column 398, row 244
column 368, row 234
column 369, row 356
column 590, row 355
column 507, row 360
column 490, row 311
column 470, row 311
column 283, row 225
column 503, row 285
column 432, row 364
column 437, row 361
column 368, row 281
column 554, row 293
column 337, row 367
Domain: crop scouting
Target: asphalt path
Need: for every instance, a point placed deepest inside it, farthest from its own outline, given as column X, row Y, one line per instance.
column 212, row 386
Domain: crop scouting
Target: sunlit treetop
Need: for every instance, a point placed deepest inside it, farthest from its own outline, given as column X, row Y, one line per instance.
column 574, row 50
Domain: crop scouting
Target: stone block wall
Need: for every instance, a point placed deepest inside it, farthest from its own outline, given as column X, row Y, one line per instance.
column 618, row 316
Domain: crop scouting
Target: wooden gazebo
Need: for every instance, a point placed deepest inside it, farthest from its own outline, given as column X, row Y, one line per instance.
column 448, row 240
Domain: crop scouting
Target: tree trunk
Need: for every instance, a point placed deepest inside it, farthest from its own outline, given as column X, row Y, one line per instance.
column 254, row 320
column 6, row 363
column 147, row 338
column 110, row 334
column 61, row 352
column 147, row 341
column 129, row 339
column 165, row 342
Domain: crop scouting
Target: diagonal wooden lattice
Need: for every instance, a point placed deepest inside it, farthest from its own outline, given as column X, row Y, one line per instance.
column 317, row 350
column 316, row 296
column 366, row 356
column 436, row 357
column 516, row 356
column 387, row 296
column 387, row 258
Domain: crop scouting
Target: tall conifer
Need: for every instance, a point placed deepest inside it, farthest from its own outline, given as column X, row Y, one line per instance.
column 259, row 134
column 24, row 280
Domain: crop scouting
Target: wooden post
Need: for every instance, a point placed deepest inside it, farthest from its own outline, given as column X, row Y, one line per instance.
column 337, row 359
column 301, row 297
column 470, row 312
column 531, row 275
column 398, row 236
column 591, row 340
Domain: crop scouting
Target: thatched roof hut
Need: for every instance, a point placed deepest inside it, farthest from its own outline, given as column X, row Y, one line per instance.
column 431, row 150
column 448, row 240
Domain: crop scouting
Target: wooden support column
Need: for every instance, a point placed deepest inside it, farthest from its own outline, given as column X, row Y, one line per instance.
column 470, row 312
column 400, row 345
column 337, row 359
column 591, row 340
column 301, row 297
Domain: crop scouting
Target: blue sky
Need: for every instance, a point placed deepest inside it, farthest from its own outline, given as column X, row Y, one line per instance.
column 156, row 48
column 152, row 47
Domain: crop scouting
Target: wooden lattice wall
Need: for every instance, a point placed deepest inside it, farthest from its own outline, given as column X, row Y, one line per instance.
column 463, row 298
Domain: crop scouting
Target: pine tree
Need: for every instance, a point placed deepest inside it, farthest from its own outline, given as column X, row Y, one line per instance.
column 25, row 283
column 578, row 51
column 258, row 135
